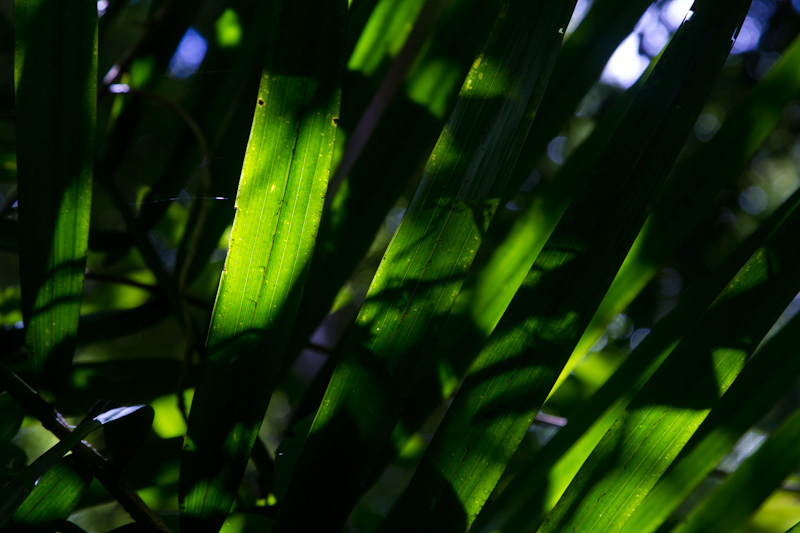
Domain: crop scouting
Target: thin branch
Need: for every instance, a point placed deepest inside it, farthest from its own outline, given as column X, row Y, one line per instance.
column 104, row 471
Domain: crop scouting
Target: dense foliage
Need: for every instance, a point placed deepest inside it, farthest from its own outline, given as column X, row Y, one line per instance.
column 399, row 265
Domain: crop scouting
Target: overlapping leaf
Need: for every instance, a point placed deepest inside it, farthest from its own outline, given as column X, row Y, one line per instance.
column 661, row 419
column 14, row 498
column 278, row 204
column 423, row 269
column 510, row 380
column 756, row 390
column 746, row 489
column 545, row 479
column 55, row 496
column 696, row 181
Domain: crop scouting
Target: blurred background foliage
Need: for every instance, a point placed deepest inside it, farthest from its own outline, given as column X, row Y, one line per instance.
column 177, row 82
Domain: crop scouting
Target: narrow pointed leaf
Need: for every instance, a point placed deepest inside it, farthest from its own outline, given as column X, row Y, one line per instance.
column 750, row 485
column 493, row 281
column 55, row 496
column 507, row 384
column 554, row 468
column 391, row 347
column 627, row 463
column 697, row 181
column 492, row 286
column 761, row 384
column 55, row 72
column 586, row 53
column 358, row 210
column 637, row 450
column 17, row 491
column 278, row 205
column 27, row 481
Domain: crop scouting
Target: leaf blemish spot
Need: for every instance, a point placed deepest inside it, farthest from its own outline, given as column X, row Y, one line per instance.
column 261, row 102
column 335, row 121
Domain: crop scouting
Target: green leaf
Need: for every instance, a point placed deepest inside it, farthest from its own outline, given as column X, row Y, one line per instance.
column 55, row 496
column 384, row 33
column 55, row 72
column 18, row 490
column 358, row 210
column 657, row 424
column 230, row 97
column 583, row 58
column 490, row 288
column 696, row 182
column 561, row 459
column 761, row 384
column 491, row 284
column 279, row 202
column 507, row 384
column 745, row 490
column 393, row 343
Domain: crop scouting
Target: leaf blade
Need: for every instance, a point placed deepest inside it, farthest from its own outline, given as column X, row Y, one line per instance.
column 55, row 167
column 561, row 459
column 278, row 205
column 423, row 268
column 512, row 376
column 746, row 489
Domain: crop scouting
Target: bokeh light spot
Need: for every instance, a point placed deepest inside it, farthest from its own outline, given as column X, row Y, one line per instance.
column 638, row 336
column 753, row 200
column 189, row 55
column 229, row 29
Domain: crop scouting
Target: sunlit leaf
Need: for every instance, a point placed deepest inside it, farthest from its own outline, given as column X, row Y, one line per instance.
column 746, row 489
column 545, row 479
column 359, row 209
column 278, row 205
column 393, row 345
column 756, row 390
column 627, row 463
column 511, row 378
column 696, row 182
